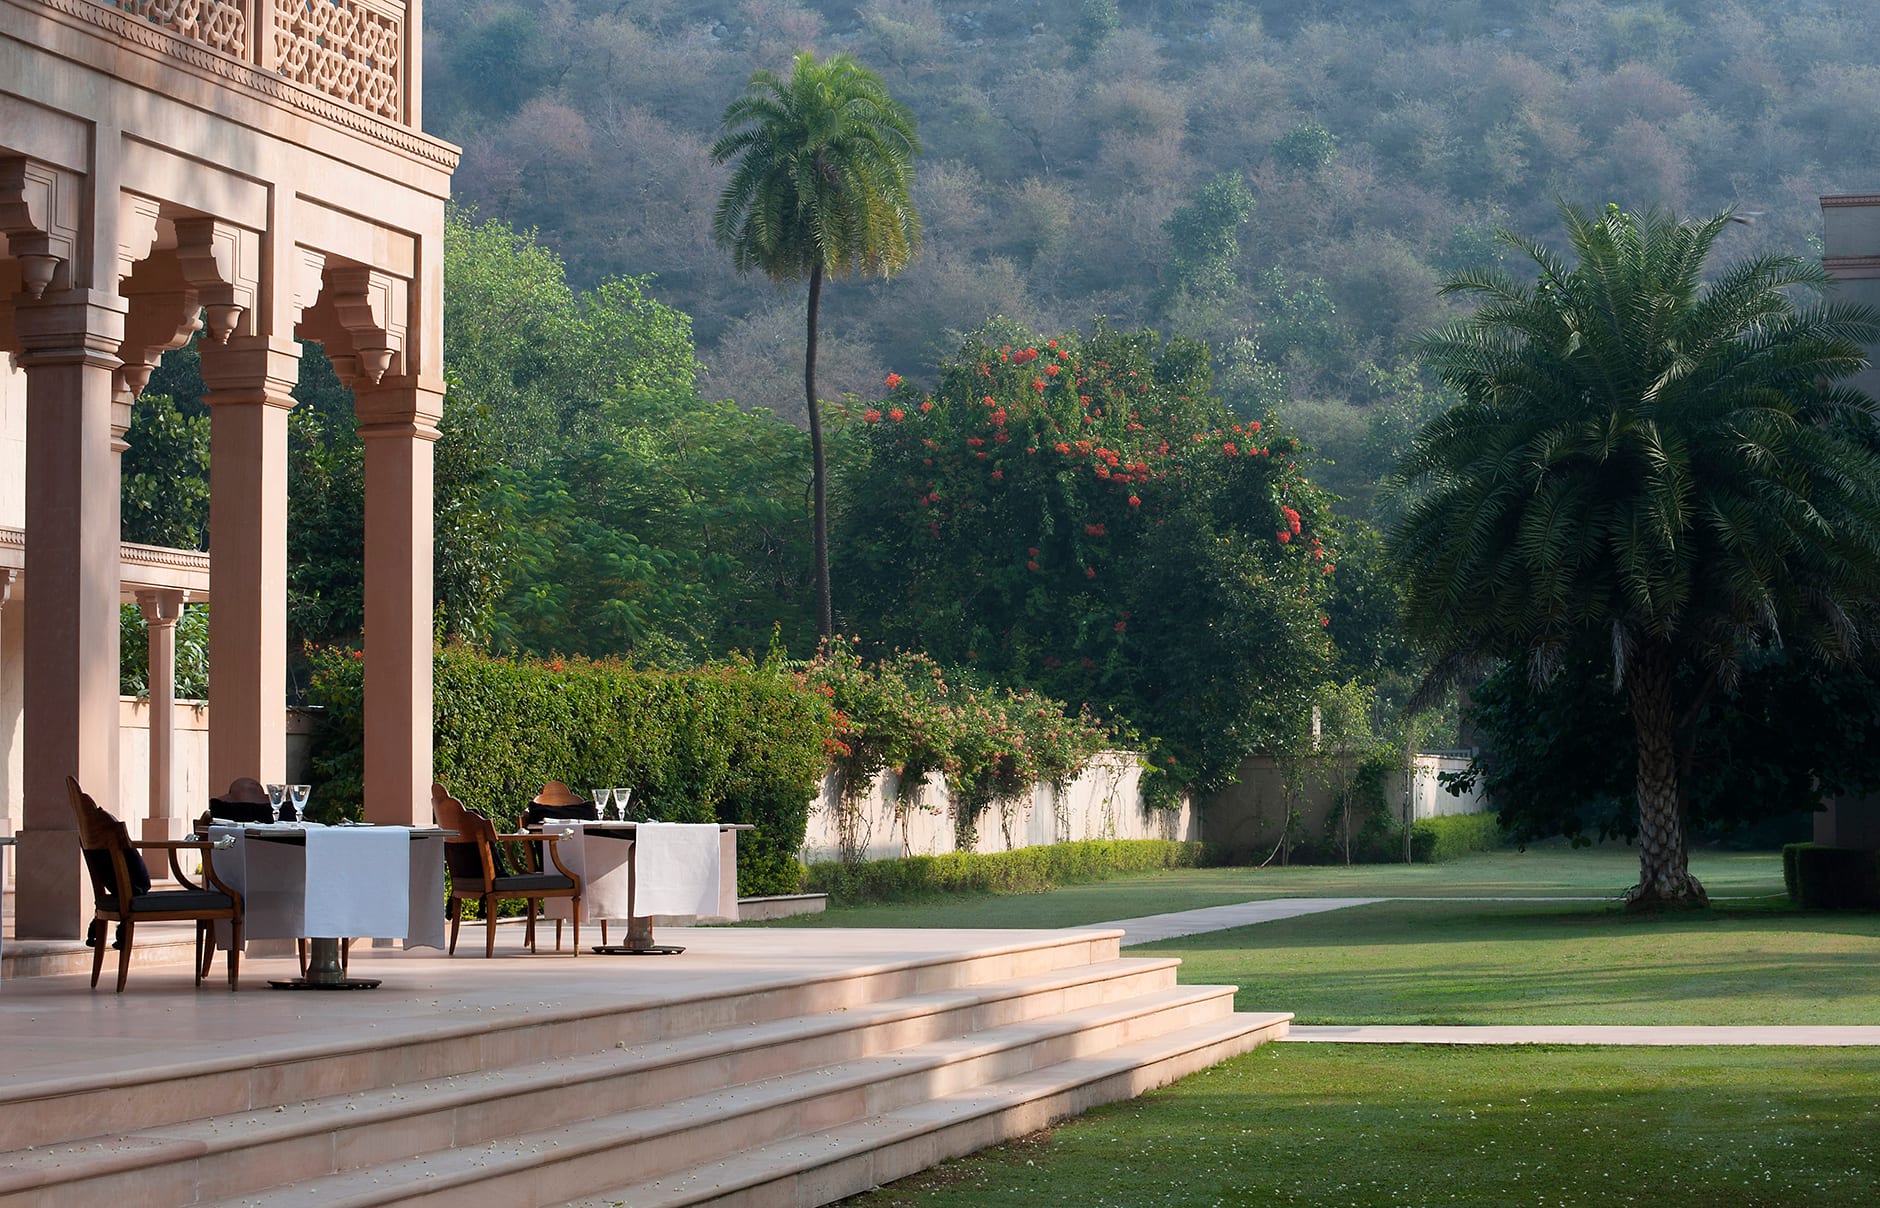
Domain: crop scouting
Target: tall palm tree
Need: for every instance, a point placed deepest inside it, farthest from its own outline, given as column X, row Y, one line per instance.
column 1662, row 463
column 822, row 185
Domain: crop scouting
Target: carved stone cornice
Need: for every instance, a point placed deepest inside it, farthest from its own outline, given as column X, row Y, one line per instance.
column 236, row 72
column 1852, row 268
column 1838, row 200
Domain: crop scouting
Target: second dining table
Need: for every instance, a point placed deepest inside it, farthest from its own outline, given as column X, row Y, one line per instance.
column 632, row 871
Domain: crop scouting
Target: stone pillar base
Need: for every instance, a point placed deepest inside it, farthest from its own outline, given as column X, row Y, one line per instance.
column 54, row 894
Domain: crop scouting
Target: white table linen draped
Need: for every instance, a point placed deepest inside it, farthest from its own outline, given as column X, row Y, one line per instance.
column 344, row 881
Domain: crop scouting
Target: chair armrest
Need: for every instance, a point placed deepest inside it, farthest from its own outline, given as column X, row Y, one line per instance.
column 532, row 837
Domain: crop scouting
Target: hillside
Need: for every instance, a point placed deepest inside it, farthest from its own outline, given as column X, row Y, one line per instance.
column 1085, row 157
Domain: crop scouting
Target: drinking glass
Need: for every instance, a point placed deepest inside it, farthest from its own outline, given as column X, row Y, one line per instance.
column 277, row 793
column 600, row 804
column 299, row 793
column 620, row 799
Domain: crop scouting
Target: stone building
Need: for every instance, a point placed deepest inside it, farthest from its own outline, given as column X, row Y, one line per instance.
column 254, row 170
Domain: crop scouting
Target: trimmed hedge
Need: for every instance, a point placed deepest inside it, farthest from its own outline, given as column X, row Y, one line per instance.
column 1820, row 877
column 1026, row 870
column 1434, row 840
column 730, row 742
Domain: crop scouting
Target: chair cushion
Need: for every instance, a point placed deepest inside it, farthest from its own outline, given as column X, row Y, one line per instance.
column 535, row 815
column 169, row 900
column 104, row 878
column 520, row 883
column 241, row 811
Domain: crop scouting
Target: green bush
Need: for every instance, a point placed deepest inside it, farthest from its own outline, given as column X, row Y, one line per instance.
column 1027, row 870
column 1820, row 877
column 1434, row 840
column 729, row 742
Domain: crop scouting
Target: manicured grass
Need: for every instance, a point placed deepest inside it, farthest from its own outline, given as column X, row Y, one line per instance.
column 1374, row 1125
column 1539, row 872
column 1449, row 962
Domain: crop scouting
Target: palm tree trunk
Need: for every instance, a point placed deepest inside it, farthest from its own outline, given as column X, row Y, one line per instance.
column 1664, row 875
column 825, row 618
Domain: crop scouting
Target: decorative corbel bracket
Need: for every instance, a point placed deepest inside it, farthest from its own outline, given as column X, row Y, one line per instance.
column 372, row 307
column 222, row 262
column 39, row 215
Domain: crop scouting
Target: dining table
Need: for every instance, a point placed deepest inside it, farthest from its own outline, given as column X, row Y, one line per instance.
column 323, row 883
column 633, row 871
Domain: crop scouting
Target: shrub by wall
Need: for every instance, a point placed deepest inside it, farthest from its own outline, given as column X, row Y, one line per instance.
column 1027, row 870
column 730, row 742
column 1434, row 840
column 1820, row 877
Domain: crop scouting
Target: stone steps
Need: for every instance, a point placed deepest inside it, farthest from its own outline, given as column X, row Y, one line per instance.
column 831, row 1164
column 760, row 1092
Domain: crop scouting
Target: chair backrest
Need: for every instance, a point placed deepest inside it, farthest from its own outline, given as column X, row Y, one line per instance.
column 471, row 855
column 116, row 868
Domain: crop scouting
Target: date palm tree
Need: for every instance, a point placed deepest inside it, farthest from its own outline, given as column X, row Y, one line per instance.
column 822, row 186
column 1668, row 465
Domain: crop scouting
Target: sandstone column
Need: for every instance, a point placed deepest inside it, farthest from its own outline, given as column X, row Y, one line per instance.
column 398, row 424
column 69, row 341
column 161, row 608
column 250, row 381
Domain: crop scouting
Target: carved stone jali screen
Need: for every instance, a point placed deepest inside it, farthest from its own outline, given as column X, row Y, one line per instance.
column 222, row 24
column 345, row 48
column 350, row 50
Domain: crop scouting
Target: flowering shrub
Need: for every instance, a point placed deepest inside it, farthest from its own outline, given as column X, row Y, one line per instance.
column 901, row 713
column 1084, row 518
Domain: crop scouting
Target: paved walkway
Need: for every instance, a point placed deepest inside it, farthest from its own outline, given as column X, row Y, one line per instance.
column 1569, row 1034
column 1153, row 927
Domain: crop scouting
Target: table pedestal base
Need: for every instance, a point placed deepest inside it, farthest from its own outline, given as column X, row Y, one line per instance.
column 639, row 941
column 324, row 971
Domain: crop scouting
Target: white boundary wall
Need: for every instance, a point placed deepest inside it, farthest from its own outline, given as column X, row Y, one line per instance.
column 1103, row 802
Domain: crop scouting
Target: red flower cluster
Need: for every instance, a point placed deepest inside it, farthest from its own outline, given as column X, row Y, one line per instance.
column 894, row 381
column 1292, row 518
column 871, row 416
column 1095, row 530
column 1024, row 356
column 897, row 415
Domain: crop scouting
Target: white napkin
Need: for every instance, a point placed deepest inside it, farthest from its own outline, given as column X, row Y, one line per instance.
column 675, row 868
column 358, row 881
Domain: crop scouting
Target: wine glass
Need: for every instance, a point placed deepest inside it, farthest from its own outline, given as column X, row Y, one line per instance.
column 277, row 793
column 620, row 799
column 600, row 804
column 299, row 793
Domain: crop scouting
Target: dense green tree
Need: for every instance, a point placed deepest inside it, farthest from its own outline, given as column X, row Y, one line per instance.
column 822, row 184
column 1558, row 759
column 1659, row 465
column 166, row 474
column 1204, row 234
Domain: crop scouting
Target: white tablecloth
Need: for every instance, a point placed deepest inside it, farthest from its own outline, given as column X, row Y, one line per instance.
column 643, row 871
column 676, row 868
column 343, row 881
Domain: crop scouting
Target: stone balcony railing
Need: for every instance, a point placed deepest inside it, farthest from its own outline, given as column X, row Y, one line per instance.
column 356, row 51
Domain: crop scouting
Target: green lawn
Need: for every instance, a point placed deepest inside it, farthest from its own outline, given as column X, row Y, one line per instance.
column 1391, row 1125
column 1370, row 1125
column 1554, row 870
column 1447, row 962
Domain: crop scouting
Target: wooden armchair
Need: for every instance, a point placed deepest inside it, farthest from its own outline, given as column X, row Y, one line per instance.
column 121, row 893
column 478, row 870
